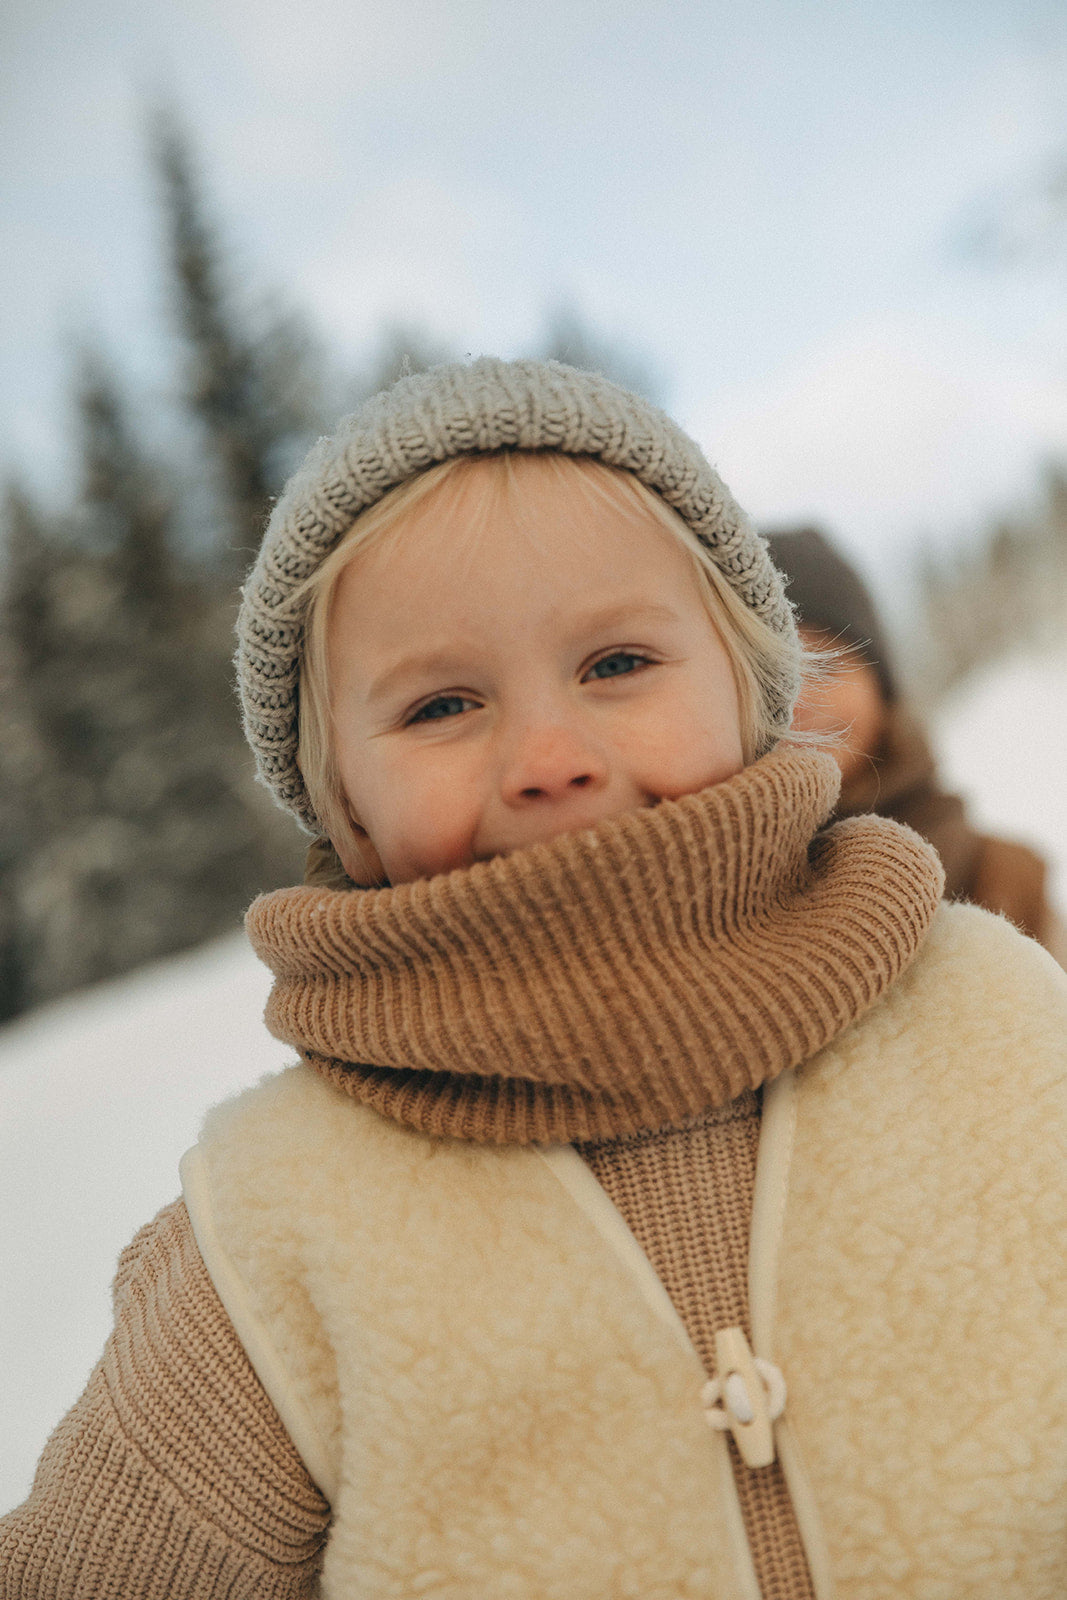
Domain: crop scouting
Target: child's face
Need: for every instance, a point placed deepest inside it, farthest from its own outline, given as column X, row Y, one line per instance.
column 550, row 670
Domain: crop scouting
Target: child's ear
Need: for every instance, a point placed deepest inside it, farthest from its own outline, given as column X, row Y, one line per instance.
column 322, row 867
column 360, row 859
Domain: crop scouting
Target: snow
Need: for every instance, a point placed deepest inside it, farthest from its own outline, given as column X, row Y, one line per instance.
column 1002, row 742
column 101, row 1093
column 99, row 1096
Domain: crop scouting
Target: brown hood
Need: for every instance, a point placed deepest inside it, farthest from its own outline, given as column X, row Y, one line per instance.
column 901, row 782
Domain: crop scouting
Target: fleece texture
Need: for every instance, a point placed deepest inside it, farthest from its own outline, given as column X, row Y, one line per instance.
column 495, row 1404
column 922, row 1294
column 479, row 1385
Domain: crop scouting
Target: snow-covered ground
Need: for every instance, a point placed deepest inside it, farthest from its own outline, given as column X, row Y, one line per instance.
column 1002, row 741
column 101, row 1093
column 99, row 1096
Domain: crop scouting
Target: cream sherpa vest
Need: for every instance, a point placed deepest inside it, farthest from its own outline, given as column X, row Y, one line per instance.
column 486, row 1379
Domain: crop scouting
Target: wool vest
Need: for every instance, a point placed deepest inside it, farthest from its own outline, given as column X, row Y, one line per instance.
column 486, row 1379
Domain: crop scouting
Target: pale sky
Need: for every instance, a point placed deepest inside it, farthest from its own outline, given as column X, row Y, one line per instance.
column 767, row 201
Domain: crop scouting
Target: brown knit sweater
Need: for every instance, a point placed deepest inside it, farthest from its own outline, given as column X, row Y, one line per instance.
column 686, row 1194
column 627, row 987
column 172, row 1477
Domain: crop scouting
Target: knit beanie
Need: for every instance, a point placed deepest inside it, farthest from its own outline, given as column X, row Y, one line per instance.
column 455, row 410
column 827, row 593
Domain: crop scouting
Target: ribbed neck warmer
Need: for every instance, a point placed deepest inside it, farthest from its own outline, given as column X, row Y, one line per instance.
column 629, row 976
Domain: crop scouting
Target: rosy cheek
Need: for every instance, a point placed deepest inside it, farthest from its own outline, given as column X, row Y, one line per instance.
column 432, row 838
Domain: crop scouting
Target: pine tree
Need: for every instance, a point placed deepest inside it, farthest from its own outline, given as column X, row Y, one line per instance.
column 182, row 842
column 127, row 504
column 25, row 611
column 133, row 828
column 92, row 598
column 251, row 378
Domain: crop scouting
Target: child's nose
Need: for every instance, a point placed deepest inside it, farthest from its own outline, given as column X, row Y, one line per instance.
column 548, row 763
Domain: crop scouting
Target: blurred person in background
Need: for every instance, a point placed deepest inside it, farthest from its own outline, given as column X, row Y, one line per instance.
column 887, row 764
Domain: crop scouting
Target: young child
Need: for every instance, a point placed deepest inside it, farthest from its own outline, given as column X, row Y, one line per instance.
column 669, row 1198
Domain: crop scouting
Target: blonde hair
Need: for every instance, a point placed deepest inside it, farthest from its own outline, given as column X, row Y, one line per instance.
column 755, row 650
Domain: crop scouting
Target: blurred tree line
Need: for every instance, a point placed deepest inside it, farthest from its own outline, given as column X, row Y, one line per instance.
column 130, row 826
column 1004, row 590
column 1006, row 587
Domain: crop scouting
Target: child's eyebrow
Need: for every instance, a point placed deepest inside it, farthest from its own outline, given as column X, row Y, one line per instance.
column 434, row 661
column 626, row 611
column 446, row 659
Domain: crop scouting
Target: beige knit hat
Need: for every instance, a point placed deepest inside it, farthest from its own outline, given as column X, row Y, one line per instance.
column 456, row 410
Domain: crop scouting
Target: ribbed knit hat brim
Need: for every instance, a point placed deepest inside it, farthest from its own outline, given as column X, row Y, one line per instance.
column 460, row 410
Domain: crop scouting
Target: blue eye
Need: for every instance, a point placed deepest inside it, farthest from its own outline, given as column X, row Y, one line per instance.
column 618, row 665
column 437, row 710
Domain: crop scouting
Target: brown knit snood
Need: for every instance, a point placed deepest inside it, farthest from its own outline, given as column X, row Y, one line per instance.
column 626, row 977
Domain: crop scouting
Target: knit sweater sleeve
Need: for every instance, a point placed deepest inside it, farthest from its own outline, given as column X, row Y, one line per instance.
column 172, row 1477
